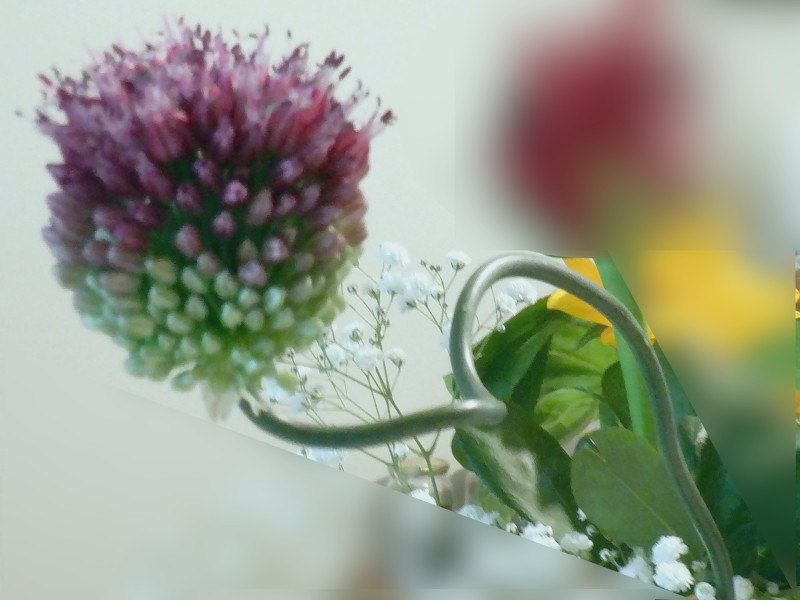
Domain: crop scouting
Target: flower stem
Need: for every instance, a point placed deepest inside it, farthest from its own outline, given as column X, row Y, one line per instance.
column 639, row 403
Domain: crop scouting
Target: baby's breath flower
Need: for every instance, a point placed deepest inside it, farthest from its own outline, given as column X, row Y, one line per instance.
column 209, row 204
column 444, row 338
column 581, row 515
column 334, row 356
column 506, row 305
column 391, row 282
column 400, row 450
column 576, row 543
column 396, row 356
column 673, row 576
column 743, row 588
column 541, row 534
column 607, row 555
column 423, row 495
column 638, row 568
column 352, row 333
column 476, row 513
column 521, row 290
column 705, row 591
column 393, row 255
column 668, row 548
column 419, row 286
column 333, row 457
column 772, row 588
column 458, row 260
column 366, row 357
column 512, row 528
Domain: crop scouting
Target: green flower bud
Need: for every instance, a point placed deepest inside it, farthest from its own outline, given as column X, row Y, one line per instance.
column 193, row 281
column 231, row 316
column 225, row 285
column 254, row 320
column 163, row 297
column 283, row 320
column 162, row 270
column 211, row 343
column 248, row 298
column 178, row 323
column 273, row 299
column 139, row 326
column 195, row 308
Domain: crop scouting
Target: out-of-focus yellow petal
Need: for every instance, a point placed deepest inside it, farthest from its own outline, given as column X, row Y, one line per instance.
column 586, row 267
column 567, row 303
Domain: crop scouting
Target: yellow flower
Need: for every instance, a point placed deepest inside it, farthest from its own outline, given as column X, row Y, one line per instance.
column 796, row 299
column 567, row 303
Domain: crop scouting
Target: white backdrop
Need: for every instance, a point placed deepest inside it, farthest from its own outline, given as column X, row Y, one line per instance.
column 68, row 410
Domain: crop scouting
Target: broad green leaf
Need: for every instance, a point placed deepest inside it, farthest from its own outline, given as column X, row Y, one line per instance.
column 524, row 466
column 565, row 412
column 621, row 483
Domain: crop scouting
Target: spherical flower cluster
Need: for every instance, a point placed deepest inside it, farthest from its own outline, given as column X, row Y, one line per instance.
column 209, row 202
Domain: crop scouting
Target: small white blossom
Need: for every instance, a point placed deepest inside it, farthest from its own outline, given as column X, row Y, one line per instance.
column 581, row 515
column 392, row 254
column 702, row 436
column 391, row 282
column 476, row 513
column 351, row 333
column 505, row 304
column 743, row 588
column 576, row 543
column 423, row 495
column 772, row 588
column 397, row 356
column 668, row 548
column 333, row 457
column 367, row 357
column 444, row 339
column 591, row 530
column 673, row 576
column 400, row 450
column 512, row 528
column 420, row 286
column 607, row 555
column 698, row 566
column 274, row 391
column 522, row 290
column 458, row 260
column 638, row 568
column 541, row 534
column 334, row 356
column 705, row 591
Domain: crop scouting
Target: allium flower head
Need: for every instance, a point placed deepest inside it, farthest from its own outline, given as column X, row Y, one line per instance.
column 209, row 201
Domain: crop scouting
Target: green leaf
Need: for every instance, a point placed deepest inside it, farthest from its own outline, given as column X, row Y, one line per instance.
column 621, row 483
column 728, row 509
column 613, row 386
column 565, row 412
column 524, row 466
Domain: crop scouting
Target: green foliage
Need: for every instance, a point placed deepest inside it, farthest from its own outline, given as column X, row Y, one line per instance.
column 621, row 483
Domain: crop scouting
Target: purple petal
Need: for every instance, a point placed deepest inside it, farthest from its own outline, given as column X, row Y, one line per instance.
column 189, row 199
column 188, row 241
column 235, row 193
column 224, row 225
column 260, row 208
column 252, row 274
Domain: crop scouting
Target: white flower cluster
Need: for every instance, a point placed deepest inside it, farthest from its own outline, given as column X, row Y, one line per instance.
column 664, row 568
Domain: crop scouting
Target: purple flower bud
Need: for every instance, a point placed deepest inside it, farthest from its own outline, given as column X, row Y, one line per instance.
column 288, row 171
column 302, row 262
column 131, row 236
column 188, row 241
column 126, row 259
column 222, row 140
column 285, row 205
column 119, row 283
column 252, row 274
column 153, row 180
column 109, row 216
column 224, row 225
column 151, row 216
column 274, row 250
column 322, row 216
column 189, row 199
column 207, row 172
column 324, row 243
column 95, row 252
column 74, row 228
column 66, row 252
column 235, row 193
column 260, row 208
column 308, row 198
column 63, row 205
